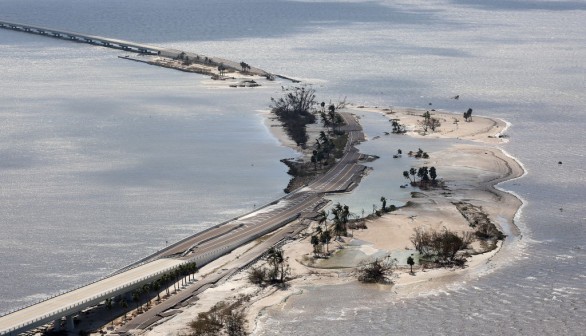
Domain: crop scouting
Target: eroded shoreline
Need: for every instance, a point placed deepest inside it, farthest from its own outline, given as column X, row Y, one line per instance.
column 471, row 172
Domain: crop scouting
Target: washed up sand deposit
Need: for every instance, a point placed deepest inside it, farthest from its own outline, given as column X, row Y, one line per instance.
column 470, row 173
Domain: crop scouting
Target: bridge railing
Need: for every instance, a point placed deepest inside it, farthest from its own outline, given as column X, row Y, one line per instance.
column 205, row 258
column 200, row 260
column 93, row 299
column 140, row 262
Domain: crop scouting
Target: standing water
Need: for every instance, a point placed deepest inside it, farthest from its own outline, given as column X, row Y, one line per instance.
column 102, row 160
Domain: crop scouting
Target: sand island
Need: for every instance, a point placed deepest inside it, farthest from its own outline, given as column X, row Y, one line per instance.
column 453, row 223
column 466, row 199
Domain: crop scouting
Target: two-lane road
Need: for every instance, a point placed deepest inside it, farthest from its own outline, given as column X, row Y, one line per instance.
column 213, row 242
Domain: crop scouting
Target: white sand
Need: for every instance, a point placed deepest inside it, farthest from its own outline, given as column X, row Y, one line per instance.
column 470, row 173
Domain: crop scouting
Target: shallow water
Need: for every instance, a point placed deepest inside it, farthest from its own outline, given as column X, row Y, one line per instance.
column 104, row 161
column 519, row 60
column 385, row 174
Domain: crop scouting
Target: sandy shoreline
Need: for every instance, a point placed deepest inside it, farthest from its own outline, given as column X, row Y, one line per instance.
column 470, row 172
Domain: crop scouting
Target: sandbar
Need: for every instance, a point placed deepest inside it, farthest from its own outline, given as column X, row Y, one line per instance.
column 470, row 171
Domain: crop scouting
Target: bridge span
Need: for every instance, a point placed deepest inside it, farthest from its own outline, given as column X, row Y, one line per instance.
column 141, row 48
column 200, row 248
column 92, row 39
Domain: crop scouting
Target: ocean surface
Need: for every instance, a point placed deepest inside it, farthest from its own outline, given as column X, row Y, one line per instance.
column 103, row 161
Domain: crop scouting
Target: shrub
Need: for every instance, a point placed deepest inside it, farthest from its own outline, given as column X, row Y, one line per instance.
column 257, row 275
column 376, row 271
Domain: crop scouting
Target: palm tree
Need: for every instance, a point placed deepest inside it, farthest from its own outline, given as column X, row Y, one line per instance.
column 413, row 172
column 325, row 238
column 341, row 214
column 222, row 69
column 314, row 160
column 146, row 288
column 323, row 137
column 109, row 306
column 338, row 225
column 406, row 175
column 165, row 282
column 338, row 121
column 181, row 274
column 189, row 270
column 315, row 243
column 422, row 174
column 432, row 173
column 332, row 116
column 124, row 306
column 175, row 279
column 322, row 217
column 136, row 294
column 324, row 118
column 192, row 266
column 337, row 210
column 184, row 274
column 345, row 218
column 156, row 286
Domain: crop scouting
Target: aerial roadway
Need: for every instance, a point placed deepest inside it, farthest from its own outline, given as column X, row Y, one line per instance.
column 113, row 43
column 202, row 247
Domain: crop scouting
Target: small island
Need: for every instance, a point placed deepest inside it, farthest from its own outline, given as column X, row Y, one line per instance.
column 455, row 221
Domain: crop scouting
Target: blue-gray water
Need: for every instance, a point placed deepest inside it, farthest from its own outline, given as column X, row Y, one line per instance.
column 102, row 159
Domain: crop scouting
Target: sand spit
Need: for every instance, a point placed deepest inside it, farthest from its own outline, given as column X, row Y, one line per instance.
column 470, row 173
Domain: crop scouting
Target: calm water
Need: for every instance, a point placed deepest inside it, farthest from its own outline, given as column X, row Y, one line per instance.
column 93, row 146
column 385, row 175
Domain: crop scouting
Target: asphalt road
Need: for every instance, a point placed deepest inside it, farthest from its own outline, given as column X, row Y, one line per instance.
column 239, row 231
column 306, row 200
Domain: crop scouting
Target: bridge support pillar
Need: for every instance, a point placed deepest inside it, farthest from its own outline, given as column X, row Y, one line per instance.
column 69, row 324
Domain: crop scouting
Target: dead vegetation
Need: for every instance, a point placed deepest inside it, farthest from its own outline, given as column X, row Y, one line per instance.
column 485, row 229
column 224, row 318
column 377, row 271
